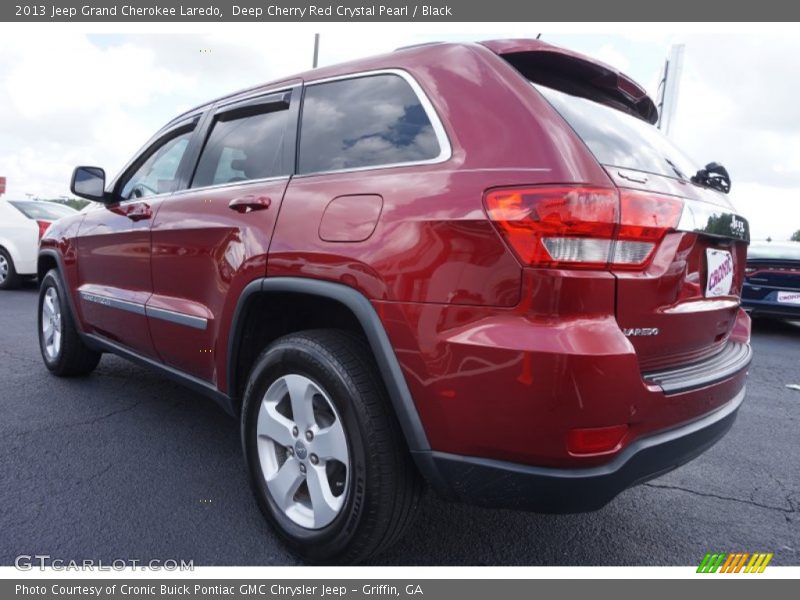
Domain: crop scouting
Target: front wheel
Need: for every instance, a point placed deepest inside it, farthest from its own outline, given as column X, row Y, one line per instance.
column 324, row 452
column 63, row 351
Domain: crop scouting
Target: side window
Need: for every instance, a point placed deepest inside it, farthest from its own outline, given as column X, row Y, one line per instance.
column 363, row 122
column 157, row 174
column 243, row 148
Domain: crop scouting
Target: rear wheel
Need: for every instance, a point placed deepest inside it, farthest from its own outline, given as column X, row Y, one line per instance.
column 324, row 452
column 9, row 279
column 64, row 352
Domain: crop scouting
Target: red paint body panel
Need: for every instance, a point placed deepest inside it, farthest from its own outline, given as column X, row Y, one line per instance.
column 432, row 244
column 508, row 385
column 204, row 254
column 114, row 259
column 350, row 218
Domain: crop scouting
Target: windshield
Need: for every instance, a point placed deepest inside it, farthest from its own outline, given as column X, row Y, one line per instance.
column 785, row 251
column 42, row 210
column 620, row 140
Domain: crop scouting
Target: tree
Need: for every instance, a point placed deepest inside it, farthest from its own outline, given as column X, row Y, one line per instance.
column 71, row 202
column 796, row 236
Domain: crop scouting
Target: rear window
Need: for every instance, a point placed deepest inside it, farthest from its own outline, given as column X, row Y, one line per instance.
column 44, row 211
column 621, row 140
column 364, row 122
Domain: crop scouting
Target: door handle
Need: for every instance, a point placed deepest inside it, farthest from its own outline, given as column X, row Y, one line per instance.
column 249, row 203
column 139, row 212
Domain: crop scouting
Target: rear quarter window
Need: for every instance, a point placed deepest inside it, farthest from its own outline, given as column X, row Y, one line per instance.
column 364, row 122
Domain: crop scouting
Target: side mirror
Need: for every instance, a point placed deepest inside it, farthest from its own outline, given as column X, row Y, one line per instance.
column 89, row 183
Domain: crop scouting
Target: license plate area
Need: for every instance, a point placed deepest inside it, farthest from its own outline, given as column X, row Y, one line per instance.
column 789, row 298
column 719, row 269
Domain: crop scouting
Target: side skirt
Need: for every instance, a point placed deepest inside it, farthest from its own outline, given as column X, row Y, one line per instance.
column 195, row 384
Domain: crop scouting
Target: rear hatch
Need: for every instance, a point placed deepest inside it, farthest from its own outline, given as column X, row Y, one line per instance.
column 680, row 248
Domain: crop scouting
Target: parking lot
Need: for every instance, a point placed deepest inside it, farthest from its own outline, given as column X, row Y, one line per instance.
column 125, row 464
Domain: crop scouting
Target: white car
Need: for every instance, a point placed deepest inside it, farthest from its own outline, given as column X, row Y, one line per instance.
column 22, row 224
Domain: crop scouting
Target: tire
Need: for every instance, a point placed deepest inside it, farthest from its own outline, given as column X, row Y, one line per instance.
column 9, row 279
column 64, row 353
column 379, row 487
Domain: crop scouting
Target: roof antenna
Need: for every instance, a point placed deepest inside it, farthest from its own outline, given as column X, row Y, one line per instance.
column 316, row 51
column 538, row 35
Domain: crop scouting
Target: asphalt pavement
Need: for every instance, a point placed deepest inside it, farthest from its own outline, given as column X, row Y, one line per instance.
column 125, row 464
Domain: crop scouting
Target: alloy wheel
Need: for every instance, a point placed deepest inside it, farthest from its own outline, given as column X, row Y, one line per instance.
column 51, row 323
column 4, row 267
column 303, row 451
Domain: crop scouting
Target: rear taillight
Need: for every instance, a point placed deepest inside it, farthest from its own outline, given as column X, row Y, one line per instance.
column 644, row 221
column 43, row 225
column 582, row 227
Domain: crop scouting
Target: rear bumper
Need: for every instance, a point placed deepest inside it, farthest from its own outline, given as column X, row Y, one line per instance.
column 732, row 358
column 503, row 484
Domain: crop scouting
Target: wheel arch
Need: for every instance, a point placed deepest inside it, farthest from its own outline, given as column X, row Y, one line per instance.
column 10, row 248
column 47, row 260
column 363, row 313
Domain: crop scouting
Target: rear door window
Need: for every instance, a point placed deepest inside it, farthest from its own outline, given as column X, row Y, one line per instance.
column 245, row 146
column 364, row 122
column 618, row 139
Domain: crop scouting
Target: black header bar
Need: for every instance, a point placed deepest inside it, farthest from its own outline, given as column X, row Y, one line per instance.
column 430, row 10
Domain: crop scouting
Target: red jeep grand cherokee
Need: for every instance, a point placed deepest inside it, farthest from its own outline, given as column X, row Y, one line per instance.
column 478, row 265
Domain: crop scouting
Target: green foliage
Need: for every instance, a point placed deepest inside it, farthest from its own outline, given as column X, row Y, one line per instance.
column 75, row 203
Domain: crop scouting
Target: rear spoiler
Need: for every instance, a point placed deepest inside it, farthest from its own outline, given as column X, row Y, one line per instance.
column 575, row 74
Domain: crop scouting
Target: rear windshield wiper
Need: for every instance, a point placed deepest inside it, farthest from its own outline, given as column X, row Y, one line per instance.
column 715, row 176
column 678, row 172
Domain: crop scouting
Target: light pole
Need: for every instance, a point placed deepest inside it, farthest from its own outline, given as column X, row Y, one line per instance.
column 673, row 68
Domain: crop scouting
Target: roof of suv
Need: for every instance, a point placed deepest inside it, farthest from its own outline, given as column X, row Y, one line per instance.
column 601, row 74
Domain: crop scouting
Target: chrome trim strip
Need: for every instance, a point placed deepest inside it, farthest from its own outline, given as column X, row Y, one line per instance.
column 133, row 307
column 230, row 185
column 445, row 148
column 715, row 221
column 733, row 358
column 176, row 317
column 148, row 311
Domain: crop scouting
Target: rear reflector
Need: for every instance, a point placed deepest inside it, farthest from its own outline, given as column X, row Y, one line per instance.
column 43, row 225
column 597, row 440
column 582, row 227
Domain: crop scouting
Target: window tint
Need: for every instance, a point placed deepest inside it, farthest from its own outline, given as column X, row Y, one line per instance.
column 43, row 209
column 620, row 140
column 250, row 147
column 157, row 173
column 362, row 122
